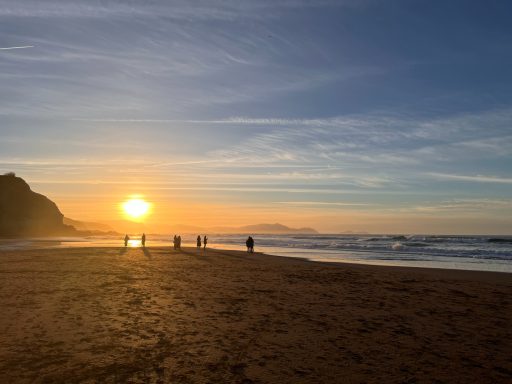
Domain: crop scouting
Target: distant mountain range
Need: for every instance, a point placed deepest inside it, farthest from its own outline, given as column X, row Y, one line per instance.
column 266, row 229
column 125, row 226
column 247, row 229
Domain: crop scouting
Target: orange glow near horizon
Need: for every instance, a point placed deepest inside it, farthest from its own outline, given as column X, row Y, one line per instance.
column 176, row 212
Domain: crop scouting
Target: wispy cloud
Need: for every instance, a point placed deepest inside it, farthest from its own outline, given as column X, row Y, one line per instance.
column 323, row 204
column 349, row 122
column 136, row 57
column 475, row 178
column 175, row 9
column 385, row 139
column 362, row 152
column 465, row 205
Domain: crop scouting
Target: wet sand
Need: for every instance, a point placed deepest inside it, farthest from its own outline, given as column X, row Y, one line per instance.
column 106, row 315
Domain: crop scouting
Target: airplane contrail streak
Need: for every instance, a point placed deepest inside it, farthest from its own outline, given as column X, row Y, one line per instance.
column 22, row 47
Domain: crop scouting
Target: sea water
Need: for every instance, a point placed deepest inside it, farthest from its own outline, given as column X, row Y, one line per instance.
column 485, row 253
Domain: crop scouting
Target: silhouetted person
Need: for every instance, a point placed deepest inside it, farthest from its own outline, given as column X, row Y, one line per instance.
column 126, row 239
column 198, row 242
column 175, row 242
column 143, row 240
column 205, row 241
column 250, row 244
column 179, row 242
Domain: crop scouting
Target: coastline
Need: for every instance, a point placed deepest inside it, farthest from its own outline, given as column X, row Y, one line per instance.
column 447, row 252
column 158, row 315
column 432, row 272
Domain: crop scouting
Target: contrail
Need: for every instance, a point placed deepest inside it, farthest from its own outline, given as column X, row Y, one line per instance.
column 22, row 47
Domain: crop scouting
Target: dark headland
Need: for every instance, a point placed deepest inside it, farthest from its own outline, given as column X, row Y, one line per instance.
column 24, row 212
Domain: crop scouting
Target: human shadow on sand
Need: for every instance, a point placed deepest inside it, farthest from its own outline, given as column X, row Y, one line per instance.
column 146, row 252
column 198, row 254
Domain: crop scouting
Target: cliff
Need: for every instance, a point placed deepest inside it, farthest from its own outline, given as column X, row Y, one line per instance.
column 26, row 213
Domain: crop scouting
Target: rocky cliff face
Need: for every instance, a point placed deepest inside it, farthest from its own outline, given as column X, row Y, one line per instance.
column 26, row 213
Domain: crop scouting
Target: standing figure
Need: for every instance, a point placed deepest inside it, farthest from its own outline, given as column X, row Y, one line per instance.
column 143, row 240
column 126, row 239
column 175, row 242
column 179, row 242
column 198, row 241
column 250, row 244
column 205, row 241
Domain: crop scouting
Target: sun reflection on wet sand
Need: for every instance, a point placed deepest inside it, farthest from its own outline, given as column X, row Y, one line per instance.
column 134, row 243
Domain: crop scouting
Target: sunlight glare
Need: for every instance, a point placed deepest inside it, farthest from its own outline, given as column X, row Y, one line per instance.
column 134, row 243
column 136, row 207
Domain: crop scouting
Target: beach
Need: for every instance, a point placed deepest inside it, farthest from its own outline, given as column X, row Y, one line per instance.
column 156, row 315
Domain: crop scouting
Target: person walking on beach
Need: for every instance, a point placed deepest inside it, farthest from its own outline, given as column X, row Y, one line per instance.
column 205, row 241
column 250, row 244
column 143, row 240
column 179, row 242
column 198, row 241
column 126, row 239
column 175, row 242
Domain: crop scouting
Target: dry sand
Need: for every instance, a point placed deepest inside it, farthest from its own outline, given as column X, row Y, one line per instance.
column 160, row 316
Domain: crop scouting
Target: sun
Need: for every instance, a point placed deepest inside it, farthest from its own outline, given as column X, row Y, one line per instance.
column 136, row 207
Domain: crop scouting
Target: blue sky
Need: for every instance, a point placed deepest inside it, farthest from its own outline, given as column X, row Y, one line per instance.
column 344, row 115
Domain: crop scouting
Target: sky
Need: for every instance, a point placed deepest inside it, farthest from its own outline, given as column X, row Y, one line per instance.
column 351, row 115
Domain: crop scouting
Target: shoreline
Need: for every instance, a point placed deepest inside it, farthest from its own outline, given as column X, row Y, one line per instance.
column 433, row 271
column 359, row 257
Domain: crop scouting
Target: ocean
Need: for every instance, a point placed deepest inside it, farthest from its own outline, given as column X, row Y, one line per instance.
column 483, row 253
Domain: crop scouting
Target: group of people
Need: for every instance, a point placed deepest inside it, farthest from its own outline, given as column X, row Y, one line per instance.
column 205, row 241
column 250, row 244
column 177, row 242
